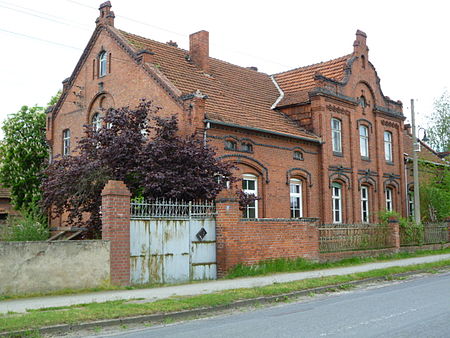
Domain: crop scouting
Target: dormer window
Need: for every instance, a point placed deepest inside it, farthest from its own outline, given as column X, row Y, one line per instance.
column 102, row 64
column 230, row 145
column 247, row 147
column 298, row 155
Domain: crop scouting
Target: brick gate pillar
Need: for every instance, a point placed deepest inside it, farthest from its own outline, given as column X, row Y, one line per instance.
column 228, row 215
column 116, row 229
column 394, row 232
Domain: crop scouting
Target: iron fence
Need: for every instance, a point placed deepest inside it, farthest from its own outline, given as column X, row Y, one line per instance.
column 430, row 233
column 168, row 208
column 347, row 237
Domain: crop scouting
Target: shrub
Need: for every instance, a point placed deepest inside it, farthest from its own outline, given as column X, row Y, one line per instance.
column 31, row 226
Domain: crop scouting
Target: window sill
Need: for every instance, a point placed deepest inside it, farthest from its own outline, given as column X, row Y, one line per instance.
column 338, row 154
column 367, row 159
column 390, row 163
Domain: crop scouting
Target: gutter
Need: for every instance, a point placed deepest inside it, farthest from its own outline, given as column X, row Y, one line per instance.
column 279, row 90
column 226, row 124
column 409, row 159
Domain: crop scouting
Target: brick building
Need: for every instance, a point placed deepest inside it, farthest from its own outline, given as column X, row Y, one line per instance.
column 317, row 141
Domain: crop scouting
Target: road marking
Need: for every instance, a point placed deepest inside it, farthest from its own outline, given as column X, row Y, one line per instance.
column 367, row 322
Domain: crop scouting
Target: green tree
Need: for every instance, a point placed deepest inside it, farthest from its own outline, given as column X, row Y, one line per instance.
column 24, row 153
column 439, row 126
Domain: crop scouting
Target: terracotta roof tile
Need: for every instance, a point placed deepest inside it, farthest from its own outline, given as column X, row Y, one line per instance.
column 302, row 79
column 236, row 95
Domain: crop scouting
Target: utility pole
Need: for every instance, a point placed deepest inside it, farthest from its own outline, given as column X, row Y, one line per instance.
column 415, row 166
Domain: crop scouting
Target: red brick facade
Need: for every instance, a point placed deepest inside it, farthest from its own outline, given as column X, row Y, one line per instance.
column 262, row 238
column 280, row 116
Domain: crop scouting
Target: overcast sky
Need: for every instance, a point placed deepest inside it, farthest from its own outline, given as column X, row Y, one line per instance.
column 408, row 40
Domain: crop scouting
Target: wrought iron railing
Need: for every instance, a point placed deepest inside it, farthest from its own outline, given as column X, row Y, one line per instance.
column 168, row 208
column 347, row 237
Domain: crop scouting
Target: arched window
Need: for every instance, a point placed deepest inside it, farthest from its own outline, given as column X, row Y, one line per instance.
column 295, row 186
column 102, row 64
column 250, row 186
column 96, row 122
column 337, row 202
column 247, row 147
column 336, row 130
column 365, row 204
column 389, row 199
column 411, row 203
column 364, row 141
column 66, row 142
column 230, row 145
column 388, row 146
column 298, row 155
column 363, row 61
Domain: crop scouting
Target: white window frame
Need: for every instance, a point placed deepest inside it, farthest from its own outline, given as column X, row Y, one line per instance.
column 389, row 199
column 364, row 141
column 96, row 122
column 336, row 202
column 411, row 203
column 102, row 60
column 66, row 142
column 365, row 213
column 295, row 194
column 388, row 146
column 254, row 204
column 336, row 135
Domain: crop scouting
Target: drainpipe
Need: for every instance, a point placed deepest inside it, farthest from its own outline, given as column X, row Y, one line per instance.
column 279, row 90
column 207, row 126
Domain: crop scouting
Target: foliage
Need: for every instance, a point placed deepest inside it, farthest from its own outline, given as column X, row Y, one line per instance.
column 165, row 165
column 384, row 216
column 435, row 196
column 246, row 199
column 24, row 153
column 439, row 128
column 31, row 226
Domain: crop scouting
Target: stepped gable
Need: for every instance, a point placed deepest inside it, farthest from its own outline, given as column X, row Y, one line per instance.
column 236, row 95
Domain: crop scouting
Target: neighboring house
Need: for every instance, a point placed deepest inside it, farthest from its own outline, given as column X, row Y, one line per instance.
column 317, row 141
column 431, row 162
column 6, row 208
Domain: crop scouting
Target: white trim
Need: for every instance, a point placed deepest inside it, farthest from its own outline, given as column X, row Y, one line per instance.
column 254, row 178
column 279, row 90
column 295, row 195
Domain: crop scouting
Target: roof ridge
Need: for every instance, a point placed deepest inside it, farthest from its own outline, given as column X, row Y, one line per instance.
column 187, row 51
column 314, row 64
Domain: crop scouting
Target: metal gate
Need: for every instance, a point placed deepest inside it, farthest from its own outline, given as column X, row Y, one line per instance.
column 172, row 241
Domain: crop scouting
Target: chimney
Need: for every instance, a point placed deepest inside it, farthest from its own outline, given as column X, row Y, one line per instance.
column 359, row 46
column 106, row 15
column 199, row 49
column 145, row 56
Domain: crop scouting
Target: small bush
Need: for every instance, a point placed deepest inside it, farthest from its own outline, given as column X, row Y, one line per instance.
column 31, row 226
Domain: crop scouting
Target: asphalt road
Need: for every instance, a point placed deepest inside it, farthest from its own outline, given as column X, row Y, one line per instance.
column 411, row 308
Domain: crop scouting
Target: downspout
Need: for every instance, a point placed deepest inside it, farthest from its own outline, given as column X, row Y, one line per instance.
column 207, row 126
column 279, row 90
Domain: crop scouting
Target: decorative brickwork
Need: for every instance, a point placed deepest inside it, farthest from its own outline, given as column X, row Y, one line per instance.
column 116, row 229
column 250, row 241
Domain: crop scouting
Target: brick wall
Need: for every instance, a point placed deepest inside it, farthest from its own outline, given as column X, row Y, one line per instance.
column 250, row 241
column 116, row 229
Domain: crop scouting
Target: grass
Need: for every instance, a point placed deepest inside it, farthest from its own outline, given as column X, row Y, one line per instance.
column 300, row 264
column 35, row 319
column 263, row 268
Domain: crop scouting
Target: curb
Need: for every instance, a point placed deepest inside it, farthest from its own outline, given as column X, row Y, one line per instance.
column 206, row 310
